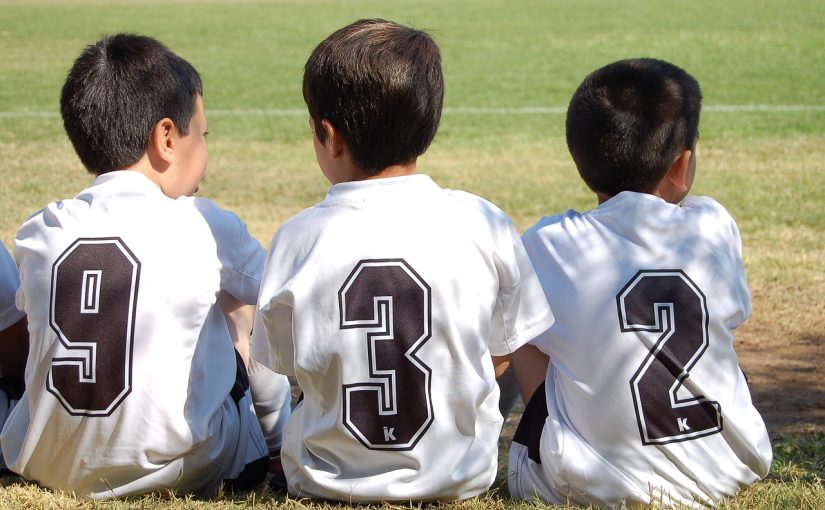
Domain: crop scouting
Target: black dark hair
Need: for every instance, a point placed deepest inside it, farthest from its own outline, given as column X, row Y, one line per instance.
column 380, row 84
column 629, row 120
column 115, row 93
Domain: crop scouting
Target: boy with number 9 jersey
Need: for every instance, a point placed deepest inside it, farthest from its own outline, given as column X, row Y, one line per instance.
column 643, row 400
column 393, row 300
column 135, row 294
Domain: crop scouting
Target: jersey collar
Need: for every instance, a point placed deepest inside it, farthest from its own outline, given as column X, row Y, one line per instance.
column 128, row 179
column 379, row 188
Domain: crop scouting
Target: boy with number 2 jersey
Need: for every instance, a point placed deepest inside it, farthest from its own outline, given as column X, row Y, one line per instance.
column 642, row 400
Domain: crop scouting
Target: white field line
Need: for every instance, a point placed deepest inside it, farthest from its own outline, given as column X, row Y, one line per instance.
column 467, row 110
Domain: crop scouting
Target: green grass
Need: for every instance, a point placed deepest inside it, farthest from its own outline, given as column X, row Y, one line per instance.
column 795, row 483
column 765, row 166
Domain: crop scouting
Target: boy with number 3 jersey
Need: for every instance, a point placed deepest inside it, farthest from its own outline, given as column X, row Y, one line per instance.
column 393, row 300
column 643, row 400
column 135, row 293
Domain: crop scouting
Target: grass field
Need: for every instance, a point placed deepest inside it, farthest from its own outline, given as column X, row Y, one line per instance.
column 510, row 69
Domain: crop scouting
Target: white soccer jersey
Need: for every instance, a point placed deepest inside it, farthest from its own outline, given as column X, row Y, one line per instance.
column 9, row 282
column 131, row 363
column 386, row 301
column 645, row 396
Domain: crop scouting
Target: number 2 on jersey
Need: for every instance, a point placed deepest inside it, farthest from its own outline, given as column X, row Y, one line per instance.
column 392, row 410
column 669, row 305
column 92, row 310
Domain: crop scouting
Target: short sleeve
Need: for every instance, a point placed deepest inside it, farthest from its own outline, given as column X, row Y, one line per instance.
column 240, row 254
column 9, row 283
column 246, row 267
column 272, row 342
column 522, row 312
column 741, row 292
column 729, row 260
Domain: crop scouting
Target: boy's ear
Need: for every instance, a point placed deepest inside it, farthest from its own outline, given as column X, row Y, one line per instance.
column 677, row 174
column 334, row 142
column 162, row 140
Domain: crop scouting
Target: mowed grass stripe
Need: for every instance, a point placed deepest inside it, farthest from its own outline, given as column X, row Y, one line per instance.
column 472, row 110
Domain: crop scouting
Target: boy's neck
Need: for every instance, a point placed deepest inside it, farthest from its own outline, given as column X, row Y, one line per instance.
column 393, row 171
column 148, row 167
column 603, row 197
column 351, row 173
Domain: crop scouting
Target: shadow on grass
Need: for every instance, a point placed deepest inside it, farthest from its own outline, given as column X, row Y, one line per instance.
column 787, row 385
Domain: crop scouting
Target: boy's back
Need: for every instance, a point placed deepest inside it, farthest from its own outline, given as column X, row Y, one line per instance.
column 139, row 299
column 645, row 400
column 392, row 301
column 645, row 293
column 148, row 267
column 398, row 292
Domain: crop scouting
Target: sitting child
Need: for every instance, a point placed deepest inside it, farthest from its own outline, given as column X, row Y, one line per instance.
column 135, row 293
column 643, row 400
column 393, row 301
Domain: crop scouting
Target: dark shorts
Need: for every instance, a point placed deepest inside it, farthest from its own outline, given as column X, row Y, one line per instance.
column 255, row 472
column 528, row 432
column 241, row 379
column 13, row 388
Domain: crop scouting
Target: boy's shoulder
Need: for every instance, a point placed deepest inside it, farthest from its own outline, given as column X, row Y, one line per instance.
column 705, row 204
column 235, row 245
column 483, row 205
column 418, row 190
column 710, row 216
column 303, row 220
column 215, row 215
column 553, row 221
column 635, row 213
column 141, row 207
column 472, row 213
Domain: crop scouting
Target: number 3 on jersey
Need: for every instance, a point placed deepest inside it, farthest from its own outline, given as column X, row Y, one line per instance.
column 393, row 409
column 669, row 305
column 92, row 310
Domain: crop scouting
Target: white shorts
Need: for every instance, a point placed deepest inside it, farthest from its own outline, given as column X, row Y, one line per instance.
column 569, row 472
column 525, row 478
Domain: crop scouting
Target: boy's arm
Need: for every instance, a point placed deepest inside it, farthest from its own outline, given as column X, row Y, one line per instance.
column 242, row 263
column 528, row 315
column 241, row 255
column 530, row 365
column 500, row 364
column 239, row 319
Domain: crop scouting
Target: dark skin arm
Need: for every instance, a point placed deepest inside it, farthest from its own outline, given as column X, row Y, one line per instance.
column 14, row 349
